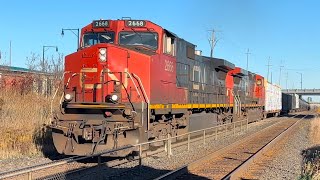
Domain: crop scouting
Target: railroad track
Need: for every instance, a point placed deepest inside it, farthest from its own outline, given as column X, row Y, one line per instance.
column 233, row 161
column 75, row 167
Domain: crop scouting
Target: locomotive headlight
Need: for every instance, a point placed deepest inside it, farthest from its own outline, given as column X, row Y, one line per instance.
column 103, row 54
column 114, row 97
column 102, row 58
column 259, row 82
column 102, row 51
column 68, row 97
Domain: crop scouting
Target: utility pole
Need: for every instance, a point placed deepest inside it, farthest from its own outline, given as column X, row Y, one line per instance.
column 247, row 78
column 247, row 53
column 10, row 55
column 212, row 41
column 300, row 79
column 45, row 48
column 280, row 75
column 73, row 31
column 287, row 80
column 269, row 65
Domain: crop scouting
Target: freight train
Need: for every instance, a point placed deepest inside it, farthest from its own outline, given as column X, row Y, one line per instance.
column 133, row 81
column 293, row 103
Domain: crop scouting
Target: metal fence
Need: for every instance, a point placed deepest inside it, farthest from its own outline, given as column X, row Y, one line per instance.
column 59, row 169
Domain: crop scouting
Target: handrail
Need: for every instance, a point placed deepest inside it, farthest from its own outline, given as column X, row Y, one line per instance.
column 133, row 83
column 147, row 101
column 236, row 102
column 56, row 92
column 239, row 99
column 192, row 132
column 141, row 86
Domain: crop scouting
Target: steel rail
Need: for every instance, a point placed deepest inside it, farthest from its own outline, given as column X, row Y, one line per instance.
column 192, row 165
column 236, row 173
column 26, row 170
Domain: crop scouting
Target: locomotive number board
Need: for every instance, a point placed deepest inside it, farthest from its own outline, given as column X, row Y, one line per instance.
column 135, row 23
column 100, row 23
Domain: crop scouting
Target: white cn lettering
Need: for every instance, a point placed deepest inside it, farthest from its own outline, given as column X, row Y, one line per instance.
column 168, row 66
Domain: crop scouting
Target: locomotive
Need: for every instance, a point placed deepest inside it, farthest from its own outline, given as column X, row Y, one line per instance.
column 132, row 81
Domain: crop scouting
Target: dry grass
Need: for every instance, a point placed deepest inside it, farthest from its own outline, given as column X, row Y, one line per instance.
column 314, row 133
column 311, row 161
column 22, row 124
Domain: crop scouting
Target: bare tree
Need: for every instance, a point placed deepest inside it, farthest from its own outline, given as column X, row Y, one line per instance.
column 32, row 61
column 46, row 72
column 57, row 65
column 3, row 57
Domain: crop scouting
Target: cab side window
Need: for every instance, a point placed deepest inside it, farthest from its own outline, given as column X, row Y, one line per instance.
column 169, row 44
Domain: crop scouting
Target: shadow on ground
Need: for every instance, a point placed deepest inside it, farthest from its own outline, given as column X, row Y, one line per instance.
column 43, row 140
column 299, row 116
column 104, row 172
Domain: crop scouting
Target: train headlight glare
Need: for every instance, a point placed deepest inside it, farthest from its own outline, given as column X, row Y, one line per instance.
column 103, row 54
column 114, row 97
column 68, row 97
column 259, row 82
column 102, row 51
column 102, row 57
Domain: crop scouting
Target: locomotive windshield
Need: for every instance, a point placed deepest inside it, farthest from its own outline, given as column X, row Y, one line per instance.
column 147, row 39
column 90, row 39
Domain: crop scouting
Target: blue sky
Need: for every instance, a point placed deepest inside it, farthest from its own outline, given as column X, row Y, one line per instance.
column 287, row 31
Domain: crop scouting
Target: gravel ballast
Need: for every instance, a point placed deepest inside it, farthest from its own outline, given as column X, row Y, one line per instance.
column 159, row 164
column 287, row 163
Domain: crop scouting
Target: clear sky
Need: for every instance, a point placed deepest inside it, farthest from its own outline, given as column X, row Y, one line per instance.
column 287, row 31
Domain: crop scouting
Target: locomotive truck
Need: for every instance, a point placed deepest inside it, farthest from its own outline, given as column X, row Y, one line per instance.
column 133, row 81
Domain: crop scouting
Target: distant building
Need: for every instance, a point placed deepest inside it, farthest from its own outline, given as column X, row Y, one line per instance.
column 25, row 80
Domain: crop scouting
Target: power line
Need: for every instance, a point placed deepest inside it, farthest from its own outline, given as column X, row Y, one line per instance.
column 269, row 65
column 10, row 55
column 306, row 69
column 287, row 80
column 247, row 53
column 280, row 75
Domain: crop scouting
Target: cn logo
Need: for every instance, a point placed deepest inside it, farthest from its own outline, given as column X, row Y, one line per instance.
column 168, row 65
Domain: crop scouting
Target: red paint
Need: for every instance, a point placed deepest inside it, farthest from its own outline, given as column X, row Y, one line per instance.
column 150, row 69
column 229, row 85
column 259, row 90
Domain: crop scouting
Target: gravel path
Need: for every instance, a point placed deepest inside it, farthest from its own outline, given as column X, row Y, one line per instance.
column 12, row 164
column 159, row 164
column 286, row 164
column 152, row 166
